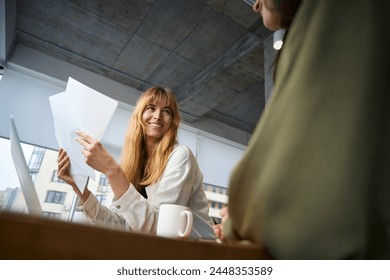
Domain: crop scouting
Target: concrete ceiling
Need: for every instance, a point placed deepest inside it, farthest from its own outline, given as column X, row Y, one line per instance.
column 210, row 52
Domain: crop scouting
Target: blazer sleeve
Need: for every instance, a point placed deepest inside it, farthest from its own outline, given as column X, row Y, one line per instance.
column 132, row 210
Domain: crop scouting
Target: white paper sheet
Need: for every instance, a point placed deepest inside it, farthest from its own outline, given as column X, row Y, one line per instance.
column 80, row 108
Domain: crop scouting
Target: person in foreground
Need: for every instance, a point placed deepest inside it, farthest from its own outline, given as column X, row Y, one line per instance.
column 154, row 170
column 314, row 182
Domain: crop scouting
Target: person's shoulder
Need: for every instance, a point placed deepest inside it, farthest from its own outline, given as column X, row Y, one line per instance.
column 182, row 157
column 182, row 152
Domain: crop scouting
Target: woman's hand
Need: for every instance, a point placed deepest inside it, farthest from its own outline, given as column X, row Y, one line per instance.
column 218, row 229
column 64, row 167
column 64, row 174
column 96, row 155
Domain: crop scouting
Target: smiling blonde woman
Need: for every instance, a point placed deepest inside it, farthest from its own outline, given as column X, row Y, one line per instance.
column 154, row 170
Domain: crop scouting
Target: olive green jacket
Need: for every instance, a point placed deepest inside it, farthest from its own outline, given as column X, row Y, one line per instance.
column 314, row 182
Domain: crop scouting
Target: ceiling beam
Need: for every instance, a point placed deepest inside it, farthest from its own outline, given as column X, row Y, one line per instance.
column 7, row 27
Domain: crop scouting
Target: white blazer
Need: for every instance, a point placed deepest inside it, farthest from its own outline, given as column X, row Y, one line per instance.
column 181, row 183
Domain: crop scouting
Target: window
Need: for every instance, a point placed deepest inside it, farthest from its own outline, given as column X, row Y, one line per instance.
column 216, row 204
column 101, row 198
column 103, row 181
column 55, row 197
column 215, row 189
column 51, row 215
column 208, row 188
column 223, row 190
column 35, row 161
column 54, row 177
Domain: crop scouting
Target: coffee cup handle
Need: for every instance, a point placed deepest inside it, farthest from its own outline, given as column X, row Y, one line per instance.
column 188, row 228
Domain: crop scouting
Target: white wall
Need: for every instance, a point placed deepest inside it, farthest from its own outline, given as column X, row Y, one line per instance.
column 217, row 157
column 26, row 98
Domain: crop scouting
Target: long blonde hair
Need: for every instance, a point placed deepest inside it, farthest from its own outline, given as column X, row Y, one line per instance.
column 140, row 169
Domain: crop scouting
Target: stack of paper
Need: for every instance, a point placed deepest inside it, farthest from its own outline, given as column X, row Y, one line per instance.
column 80, row 108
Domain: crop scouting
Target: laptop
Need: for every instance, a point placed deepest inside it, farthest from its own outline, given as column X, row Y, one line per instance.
column 25, row 180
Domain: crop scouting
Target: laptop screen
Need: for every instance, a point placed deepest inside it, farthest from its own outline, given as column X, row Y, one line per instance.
column 25, row 180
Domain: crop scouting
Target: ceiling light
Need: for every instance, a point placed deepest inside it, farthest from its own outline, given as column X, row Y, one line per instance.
column 278, row 39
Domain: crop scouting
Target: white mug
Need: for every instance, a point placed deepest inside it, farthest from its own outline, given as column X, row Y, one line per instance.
column 174, row 221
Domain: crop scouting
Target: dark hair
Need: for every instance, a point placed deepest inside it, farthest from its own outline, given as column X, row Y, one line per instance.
column 287, row 10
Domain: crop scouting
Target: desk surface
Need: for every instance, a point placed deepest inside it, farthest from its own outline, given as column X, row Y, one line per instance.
column 28, row 237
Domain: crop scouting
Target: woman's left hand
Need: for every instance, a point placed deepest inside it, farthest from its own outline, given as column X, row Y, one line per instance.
column 218, row 229
column 96, row 155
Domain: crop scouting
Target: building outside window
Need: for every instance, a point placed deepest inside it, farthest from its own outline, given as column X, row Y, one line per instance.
column 103, row 181
column 218, row 198
column 55, row 197
column 35, row 161
column 54, row 177
column 52, row 215
column 101, row 198
column 103, row 186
